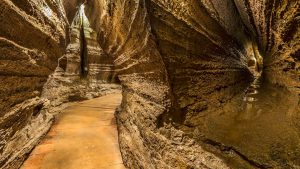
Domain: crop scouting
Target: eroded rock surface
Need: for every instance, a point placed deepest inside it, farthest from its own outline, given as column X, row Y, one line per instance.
column 185, row 69
column 181, row 61
column 32, row 38
column 84, row 71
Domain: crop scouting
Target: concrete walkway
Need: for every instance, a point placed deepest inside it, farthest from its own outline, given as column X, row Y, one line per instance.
column 84, row 136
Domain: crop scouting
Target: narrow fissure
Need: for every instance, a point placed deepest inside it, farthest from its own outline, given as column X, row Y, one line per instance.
column 83, row 46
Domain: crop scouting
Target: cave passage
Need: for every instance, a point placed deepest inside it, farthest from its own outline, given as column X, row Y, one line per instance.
column 167, row 84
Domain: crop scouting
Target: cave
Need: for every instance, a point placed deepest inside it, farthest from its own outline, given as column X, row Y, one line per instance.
column 150, row 84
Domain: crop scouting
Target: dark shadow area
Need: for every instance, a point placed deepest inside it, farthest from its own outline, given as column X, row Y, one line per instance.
column 83, row 54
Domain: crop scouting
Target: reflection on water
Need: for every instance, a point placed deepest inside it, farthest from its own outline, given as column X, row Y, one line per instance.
column 260, row 126
column 251, row 99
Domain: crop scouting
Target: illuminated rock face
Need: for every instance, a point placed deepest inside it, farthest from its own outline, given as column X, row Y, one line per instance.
column 183, row 66
column 275, row 27
column 84, row 71
column 32, row 38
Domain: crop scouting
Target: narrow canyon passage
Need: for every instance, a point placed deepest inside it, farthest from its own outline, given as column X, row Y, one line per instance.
column 202, row 84
column 84, row 136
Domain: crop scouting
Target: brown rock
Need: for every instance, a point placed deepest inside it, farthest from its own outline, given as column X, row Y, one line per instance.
column 187, row 71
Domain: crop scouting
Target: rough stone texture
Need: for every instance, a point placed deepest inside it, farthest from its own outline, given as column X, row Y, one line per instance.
column 275, row 25
column 179, row 61
column 154, row 88
column 71, row 8
column 32, row 38
column 84, row 71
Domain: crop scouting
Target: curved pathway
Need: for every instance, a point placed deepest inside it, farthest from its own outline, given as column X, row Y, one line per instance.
column 84, row 136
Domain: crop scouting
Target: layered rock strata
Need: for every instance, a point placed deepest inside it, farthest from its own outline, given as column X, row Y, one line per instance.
column 32, row 38
column 182, row 66
column 181, row 61
column 84, row 71
column 275, row 26
column 175, row 79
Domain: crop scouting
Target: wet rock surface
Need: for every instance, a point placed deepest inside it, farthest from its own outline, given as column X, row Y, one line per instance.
column 187, row 70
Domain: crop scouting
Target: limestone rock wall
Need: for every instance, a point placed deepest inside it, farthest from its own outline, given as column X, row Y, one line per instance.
column 205, row 59
column 32, row 38
column 42, row 59
column 169, row 66
column 275, row 27
column 179, row 61
column 84, row 71
column 100, row 65
column 71, row 7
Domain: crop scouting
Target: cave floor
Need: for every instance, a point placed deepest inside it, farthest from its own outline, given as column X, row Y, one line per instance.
column 83, row 136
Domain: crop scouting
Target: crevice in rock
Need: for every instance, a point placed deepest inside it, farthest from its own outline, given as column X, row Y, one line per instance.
column 83, row 46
